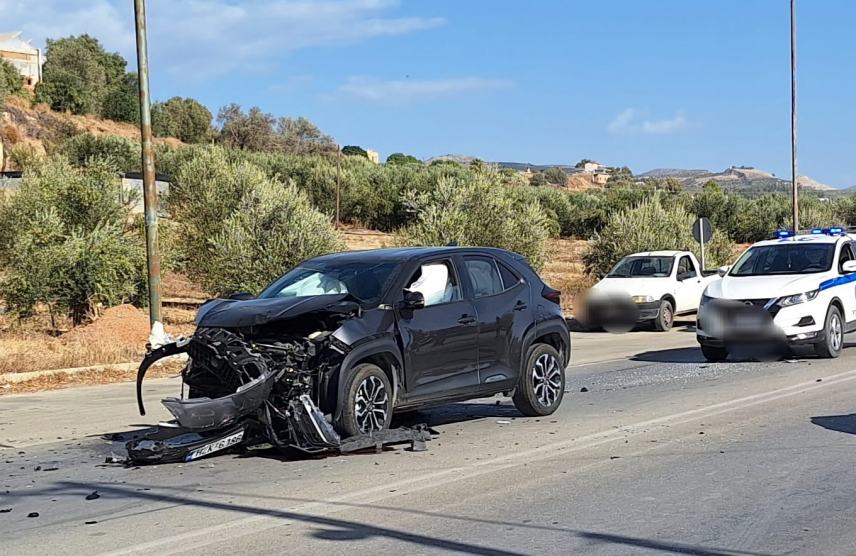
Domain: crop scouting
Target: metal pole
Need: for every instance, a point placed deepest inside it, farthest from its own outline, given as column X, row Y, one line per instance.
column 701, row 235
column 150, row 194
column 338, row 183
column 794, row 185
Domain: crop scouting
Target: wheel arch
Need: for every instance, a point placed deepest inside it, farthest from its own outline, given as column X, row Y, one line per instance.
column 383, row 353
column 552, row 333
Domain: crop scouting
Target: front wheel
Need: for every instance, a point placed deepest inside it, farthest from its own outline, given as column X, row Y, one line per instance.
column 541, row 383
column 665, row 317
column 833, row 339
column 367, row 402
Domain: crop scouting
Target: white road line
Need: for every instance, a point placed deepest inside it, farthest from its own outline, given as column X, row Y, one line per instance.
column 218, row 533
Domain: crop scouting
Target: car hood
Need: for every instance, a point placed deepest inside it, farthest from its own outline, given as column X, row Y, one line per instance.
column 233, row 313
column 763, row 287
column 632, row 286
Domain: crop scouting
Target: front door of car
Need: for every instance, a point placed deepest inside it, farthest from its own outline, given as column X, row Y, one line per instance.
column 439, row 341
column 688, row 285
column 848, row 293
column 501, row 299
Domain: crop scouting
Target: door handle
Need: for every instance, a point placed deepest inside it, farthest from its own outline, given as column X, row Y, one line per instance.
column 467, row 319
column 520, row 306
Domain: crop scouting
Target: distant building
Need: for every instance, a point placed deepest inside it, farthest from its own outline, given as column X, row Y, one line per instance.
column 592, row 167
column 26, row 58
column 373, row 156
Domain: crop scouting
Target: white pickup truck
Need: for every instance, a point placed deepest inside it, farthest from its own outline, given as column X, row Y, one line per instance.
column 655, row 286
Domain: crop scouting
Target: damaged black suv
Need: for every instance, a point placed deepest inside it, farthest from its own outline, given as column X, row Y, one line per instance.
column 338, row 344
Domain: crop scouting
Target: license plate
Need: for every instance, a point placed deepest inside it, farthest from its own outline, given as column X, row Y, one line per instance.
column 216, row 446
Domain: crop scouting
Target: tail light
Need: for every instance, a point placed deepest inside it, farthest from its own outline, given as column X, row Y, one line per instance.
column 551, row 294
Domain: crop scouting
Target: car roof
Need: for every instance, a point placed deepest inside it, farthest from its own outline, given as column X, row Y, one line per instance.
column 802, row 239
column 402, row 254
column 657, row 253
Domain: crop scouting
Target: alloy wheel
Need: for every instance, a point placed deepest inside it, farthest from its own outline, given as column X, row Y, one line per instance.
column 835, row 335
column 371, row 404
column 547, row 379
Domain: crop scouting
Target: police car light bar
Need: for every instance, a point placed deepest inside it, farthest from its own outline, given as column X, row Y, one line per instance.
column 782, row 234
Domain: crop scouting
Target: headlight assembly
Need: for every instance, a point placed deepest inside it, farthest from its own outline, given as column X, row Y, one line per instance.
column 789, row 300
column 643, row 299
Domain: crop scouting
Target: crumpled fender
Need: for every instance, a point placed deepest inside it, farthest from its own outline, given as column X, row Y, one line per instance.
column 167, row 350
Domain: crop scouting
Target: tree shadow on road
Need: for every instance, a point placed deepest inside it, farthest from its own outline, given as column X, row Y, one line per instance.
column 837, row 423
column 337, row 529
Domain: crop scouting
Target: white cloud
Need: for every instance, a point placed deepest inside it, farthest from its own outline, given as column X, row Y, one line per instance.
column 208, row 38
column 628, row 122
column 405, row 90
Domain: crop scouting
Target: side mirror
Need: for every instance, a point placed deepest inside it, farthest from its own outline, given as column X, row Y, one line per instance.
column 413, row 300
column 848, row 267
column 242, row 296
column 723, row 270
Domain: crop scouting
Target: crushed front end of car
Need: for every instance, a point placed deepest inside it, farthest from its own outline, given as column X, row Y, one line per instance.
column 257, row 374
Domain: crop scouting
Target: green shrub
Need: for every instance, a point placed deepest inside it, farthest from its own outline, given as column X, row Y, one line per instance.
column 479, row 211
column 650, row 226
column 184, row 118
column 10, row 81
column 242, row 229
column 121, row 153
column 66, row 242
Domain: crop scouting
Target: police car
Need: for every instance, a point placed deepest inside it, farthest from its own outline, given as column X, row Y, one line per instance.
column 794, row 289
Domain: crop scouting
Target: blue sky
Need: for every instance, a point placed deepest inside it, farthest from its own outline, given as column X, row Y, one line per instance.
column 655, row 83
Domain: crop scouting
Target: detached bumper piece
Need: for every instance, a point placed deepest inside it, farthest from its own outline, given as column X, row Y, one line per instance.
column 270, row 404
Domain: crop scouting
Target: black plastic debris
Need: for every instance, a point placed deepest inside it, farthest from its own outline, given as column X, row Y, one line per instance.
column 33, row 514
column 90, row 522
column 5, row 510
column 583, row 389
column 93, row 496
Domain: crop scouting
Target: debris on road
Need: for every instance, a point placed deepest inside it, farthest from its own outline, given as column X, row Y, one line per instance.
column 583, row 389
column 33, row 514
column 503, row 422
column 93, row 496
column 5, row 510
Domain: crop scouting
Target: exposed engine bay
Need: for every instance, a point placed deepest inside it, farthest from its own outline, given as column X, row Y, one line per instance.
column 269, row 380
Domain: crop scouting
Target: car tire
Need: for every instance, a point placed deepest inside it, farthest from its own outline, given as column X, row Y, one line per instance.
column 367, row 401
column 541, row 383
column 714, row 354
column 833, row 328
column 665, row 317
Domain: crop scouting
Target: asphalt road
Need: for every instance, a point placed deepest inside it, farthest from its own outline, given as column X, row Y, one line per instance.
column 663, row 453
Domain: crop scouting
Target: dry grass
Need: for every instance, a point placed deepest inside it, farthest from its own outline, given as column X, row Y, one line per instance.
column 356, row 239
column 31, row 344
column 565, row 271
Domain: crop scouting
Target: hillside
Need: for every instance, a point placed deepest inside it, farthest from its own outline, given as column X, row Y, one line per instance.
column 747, row 180
column 39, row 125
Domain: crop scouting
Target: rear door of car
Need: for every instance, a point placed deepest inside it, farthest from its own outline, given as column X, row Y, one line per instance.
column 439, row 341
column 501, row 298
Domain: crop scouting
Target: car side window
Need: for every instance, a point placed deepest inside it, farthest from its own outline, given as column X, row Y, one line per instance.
column 846, row 255
column 686, row 268
column 509, row 277
column 437, row 282
column 484, row 276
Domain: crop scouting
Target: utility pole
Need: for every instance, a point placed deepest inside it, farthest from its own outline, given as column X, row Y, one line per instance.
column 150, row 194
column 794, row 117
column 338, row 183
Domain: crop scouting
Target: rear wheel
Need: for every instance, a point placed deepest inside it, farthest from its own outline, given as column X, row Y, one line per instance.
column 714, row 353
column 833, row 339
column 367, row 401
column 541, row 383
column 665, row 317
